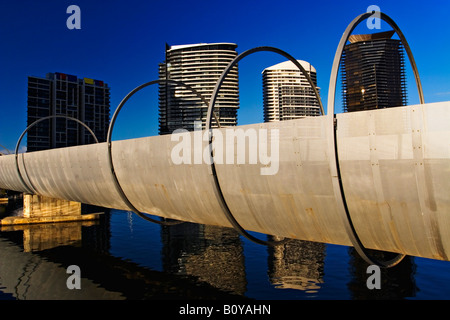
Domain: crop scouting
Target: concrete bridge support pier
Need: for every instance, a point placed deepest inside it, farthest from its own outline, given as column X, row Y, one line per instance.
column 42, row 209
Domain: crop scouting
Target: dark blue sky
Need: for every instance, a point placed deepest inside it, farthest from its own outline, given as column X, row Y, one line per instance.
column 121, row 42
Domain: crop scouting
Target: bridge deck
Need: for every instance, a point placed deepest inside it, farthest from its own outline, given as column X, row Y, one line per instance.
column 394, row 164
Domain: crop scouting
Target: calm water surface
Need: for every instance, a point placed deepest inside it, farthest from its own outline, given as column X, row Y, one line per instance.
column 125, row 257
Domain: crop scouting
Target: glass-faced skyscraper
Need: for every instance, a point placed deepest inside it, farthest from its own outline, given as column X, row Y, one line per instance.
column 287, row 93
column 198, row 66
column 85, row 99
column 373, row 72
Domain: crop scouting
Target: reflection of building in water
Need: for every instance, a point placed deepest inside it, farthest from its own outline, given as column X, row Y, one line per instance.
column 213, row 254
column 297, row 265
column 43, row 275
column 396, row 282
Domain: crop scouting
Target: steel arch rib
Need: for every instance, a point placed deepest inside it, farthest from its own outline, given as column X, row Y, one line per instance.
column 31, row 188
column 109, row 144
column 332, row 144
column 210, row 113
column 6, row 149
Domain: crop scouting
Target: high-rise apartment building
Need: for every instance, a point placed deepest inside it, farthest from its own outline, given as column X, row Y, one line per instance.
column 373, row 72
column 198, row 66
column 85, row 99
column 287, row 93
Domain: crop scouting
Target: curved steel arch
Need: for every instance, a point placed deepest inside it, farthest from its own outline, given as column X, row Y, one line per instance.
column 6, row 149
column 212, row 101
column 32, row 189
column 239, row 58
column 109, row 136
column 331, row 125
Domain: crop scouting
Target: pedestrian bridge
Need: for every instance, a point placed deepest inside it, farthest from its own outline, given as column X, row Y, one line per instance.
column 394, row 168
column 376, row 179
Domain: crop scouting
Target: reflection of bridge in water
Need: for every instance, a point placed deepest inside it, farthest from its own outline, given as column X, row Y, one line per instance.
column 198, row 261
column 33, row 266
column 192, row 253
column 297, row 265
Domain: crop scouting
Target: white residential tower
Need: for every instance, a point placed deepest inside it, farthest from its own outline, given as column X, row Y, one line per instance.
column 287, row 93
